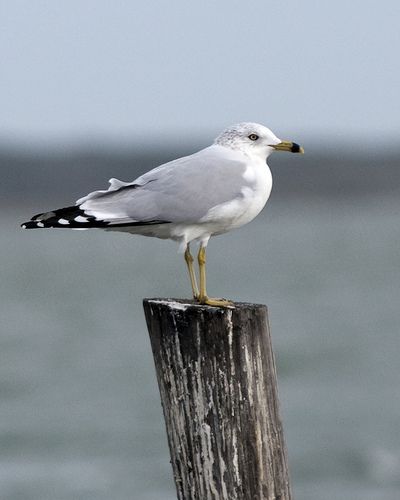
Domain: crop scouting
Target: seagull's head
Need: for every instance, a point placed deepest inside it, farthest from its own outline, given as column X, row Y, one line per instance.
column 254, row 139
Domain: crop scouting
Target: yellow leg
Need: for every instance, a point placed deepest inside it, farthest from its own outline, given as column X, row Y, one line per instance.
column 203, row 298
column 192, row 275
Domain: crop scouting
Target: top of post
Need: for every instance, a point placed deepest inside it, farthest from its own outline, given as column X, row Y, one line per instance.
column 192, row 305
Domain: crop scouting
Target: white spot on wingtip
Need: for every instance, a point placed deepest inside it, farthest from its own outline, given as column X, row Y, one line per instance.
column 63, row 221
column 40, row 224
column 79, row 218
column 23, row 226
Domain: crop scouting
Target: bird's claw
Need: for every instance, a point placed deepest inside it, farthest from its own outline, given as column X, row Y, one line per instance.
column 213, row 302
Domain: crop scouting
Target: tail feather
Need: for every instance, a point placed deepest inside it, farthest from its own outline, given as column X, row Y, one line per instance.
column 68, row 217
column 75, row 218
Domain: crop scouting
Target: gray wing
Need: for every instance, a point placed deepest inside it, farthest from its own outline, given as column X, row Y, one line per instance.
column 183, row 190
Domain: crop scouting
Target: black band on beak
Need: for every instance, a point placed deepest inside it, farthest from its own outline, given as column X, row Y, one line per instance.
column 295, row 148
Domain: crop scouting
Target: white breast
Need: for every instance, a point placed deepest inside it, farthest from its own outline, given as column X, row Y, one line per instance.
column 240, row 211
column 256, row 196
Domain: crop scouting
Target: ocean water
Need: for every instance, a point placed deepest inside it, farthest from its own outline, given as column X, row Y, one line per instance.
column 79, row 404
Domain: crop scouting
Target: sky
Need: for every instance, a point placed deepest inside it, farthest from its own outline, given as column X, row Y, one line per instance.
column 116, row 70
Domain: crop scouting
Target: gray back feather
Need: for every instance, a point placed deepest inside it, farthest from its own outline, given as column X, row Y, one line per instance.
column 183, row 190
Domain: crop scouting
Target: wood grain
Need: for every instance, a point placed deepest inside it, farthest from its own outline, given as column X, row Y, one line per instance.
column 217, row 380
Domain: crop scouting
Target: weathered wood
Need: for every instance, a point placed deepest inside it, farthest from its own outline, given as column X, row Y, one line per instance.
column 217, row 379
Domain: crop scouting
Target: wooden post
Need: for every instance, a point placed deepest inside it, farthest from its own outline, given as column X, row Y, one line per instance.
column 217, row 379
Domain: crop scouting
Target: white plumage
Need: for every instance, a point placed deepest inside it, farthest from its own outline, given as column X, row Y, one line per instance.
column 189, row 199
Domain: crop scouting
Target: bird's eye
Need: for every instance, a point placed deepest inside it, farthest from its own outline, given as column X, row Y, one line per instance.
column 253, row 137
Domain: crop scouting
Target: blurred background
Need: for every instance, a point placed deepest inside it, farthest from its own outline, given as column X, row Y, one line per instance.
column 98, row 89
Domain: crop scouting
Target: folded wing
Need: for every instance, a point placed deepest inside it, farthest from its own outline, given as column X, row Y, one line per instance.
column 184, row 190
column 181, row 191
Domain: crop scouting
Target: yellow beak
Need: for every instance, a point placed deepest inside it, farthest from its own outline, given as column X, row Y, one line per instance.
column 292, row 147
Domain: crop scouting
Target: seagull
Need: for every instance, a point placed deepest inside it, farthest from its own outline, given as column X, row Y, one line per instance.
column 190, row 199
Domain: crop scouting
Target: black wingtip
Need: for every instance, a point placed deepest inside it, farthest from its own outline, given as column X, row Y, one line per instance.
column 75, row 218
column 32, row 225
